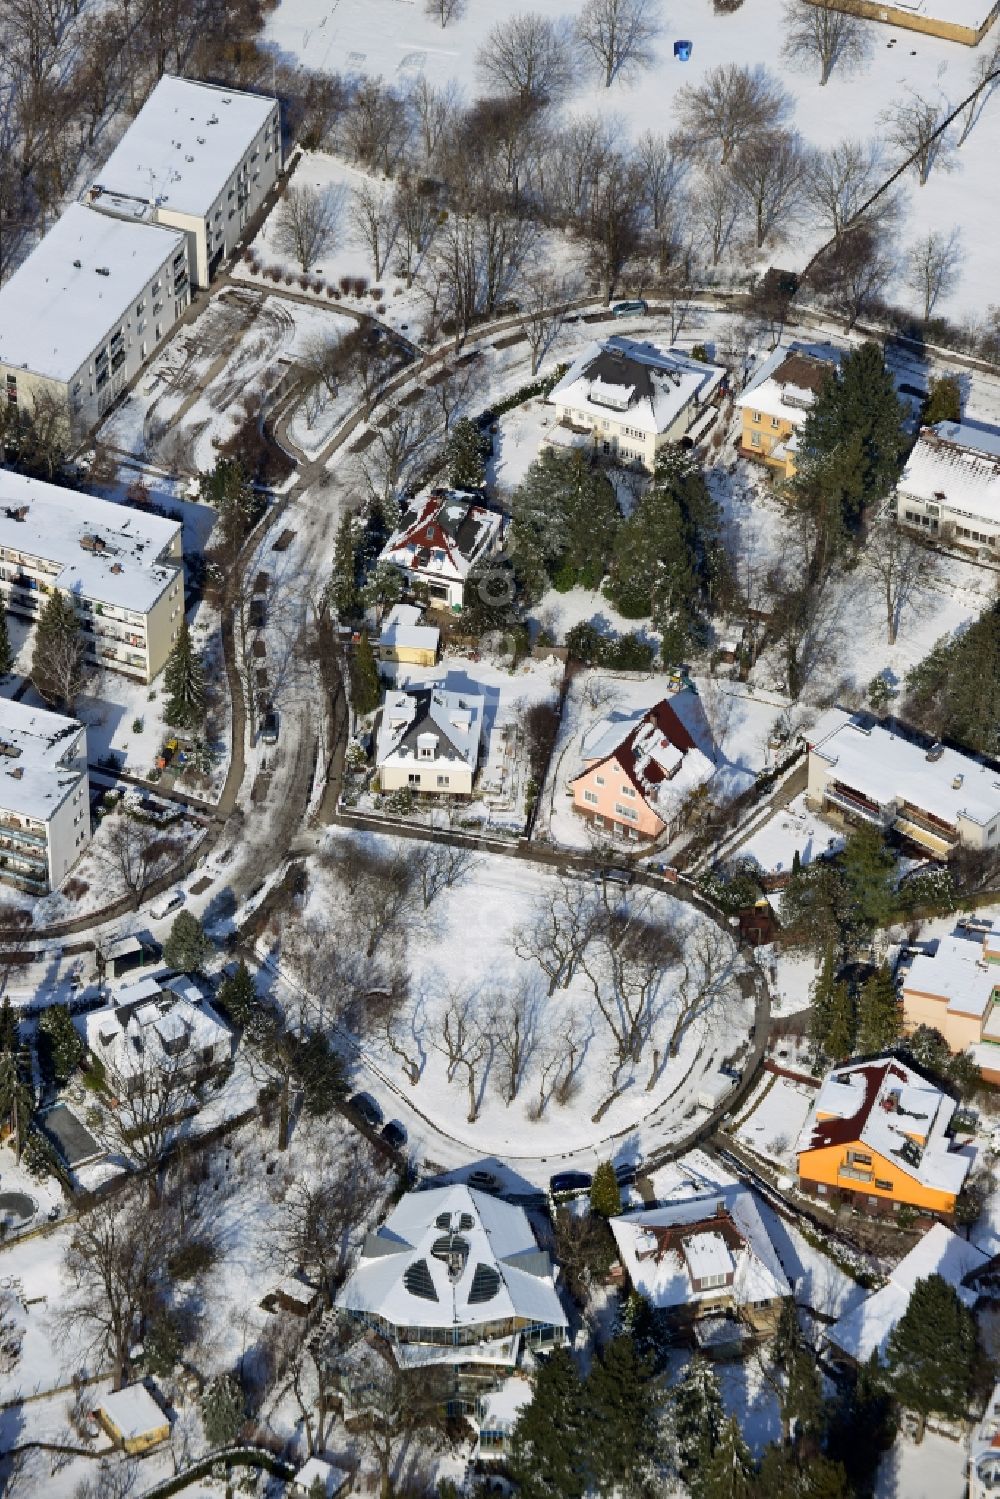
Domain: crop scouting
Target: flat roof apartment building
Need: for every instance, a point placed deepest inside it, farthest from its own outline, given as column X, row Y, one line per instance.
column 123, row 570
column 81, row 316
column 44, row 796
column 196, row 158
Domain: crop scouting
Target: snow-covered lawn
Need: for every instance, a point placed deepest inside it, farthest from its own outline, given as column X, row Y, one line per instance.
column 790, row 830
column 773, row 1125
column 791, row 976
column 936, row 1469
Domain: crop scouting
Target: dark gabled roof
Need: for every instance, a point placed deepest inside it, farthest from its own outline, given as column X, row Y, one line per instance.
column 804, row 371
column 613, row 367
column 423, row 723
column 662, row 717
column 839, row 1131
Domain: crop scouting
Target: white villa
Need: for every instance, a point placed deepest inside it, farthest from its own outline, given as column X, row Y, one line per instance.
column 429, row 740
column 935, row 797
column 44, row 796
column 440, row 539
column 628, row 399
column 158, row 1023
column 949, row 490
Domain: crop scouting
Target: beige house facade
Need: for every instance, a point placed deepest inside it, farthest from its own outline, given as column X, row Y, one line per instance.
column 965, row 21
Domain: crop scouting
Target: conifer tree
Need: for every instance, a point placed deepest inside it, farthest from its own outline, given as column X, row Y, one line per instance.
column 187, row 947
column 862, row 1425
column 344, row 580
column 57, row 666
column 467, row 449
column 184, row 683
column 728, row 1470
column 564, row 520
column 238, row 996
column 550, row 1440
column 840, row 1033
column 699, row 1423
column 622, row 1420
column 222, row 1411
column 944, row 401
column 62, row 1040
column 869, row 869
column 879, row 1019
column 821, row 1005
column 955, row 690
column 605, row 1193
column 932, row 1352
column 364, row 678
column 800, row 1398
column 6, row 653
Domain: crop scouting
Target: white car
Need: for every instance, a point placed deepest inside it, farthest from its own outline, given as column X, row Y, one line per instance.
column 169, row 901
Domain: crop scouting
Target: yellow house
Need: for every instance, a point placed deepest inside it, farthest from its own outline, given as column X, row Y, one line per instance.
column 956, row 991
column 965, row 21
column 877, row 1139
column 404, row 641
column 775, row 402
column 133, row 1419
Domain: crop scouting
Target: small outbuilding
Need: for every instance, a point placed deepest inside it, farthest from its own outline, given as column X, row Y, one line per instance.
column 317, row 1476
column 133, row 1419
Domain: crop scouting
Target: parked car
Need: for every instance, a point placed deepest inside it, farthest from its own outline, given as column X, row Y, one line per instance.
column 635, row 308
column 367, row 1110
column 394, row 1134
column 258, row 614
column 626, row 1173
column 569, row 1181
column 169, row 901
column 269, row 727
column 616, row 876
column 484, row 1181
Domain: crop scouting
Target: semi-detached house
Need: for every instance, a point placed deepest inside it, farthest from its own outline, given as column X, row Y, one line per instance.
column 949, row 490
column 44, row 796
column 122, row 569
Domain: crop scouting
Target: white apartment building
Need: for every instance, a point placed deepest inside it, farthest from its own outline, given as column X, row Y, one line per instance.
column 81, row 316
column 949, row 490
column 122, row 568
column 936, row 798
column 196, row 158
column 44, row 796
column 627, row 399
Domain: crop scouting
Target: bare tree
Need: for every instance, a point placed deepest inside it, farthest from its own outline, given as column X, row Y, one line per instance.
column 324, row 1213
column 434, row 110
column 707, row 959
column 402, row 443
column 854, row 271
column 662, row 168
column 841, row 179
column 611, row 222
column 513, row 1023
column 374, row 220
column 933, row 267
column 625, row 961
column 444, row 10
column 438, row 867
column 415, row 212
column 307, row 223
column 137, row 854
column 733, row 104
column 377, row 889
column 899, row 565
column 378, row 125
column 822, row 32
column 717, row 208
column 465, row 1042
column 542, row 308
column 151, row 1099
column 453, row 391
column 557, row 938
column 985, row 77
column 530, row 56
column 769, row 173
column 402, row 1031
column 620, row 35
column 915, row 127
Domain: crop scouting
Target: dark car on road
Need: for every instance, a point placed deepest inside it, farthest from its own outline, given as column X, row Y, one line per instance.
column 394, row 1134
column 269, row 727
column 569, row 1181
column 484, row 1181
column 367, row 1110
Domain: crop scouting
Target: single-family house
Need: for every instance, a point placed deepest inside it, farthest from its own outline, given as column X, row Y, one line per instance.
column 949, row 490
column 708, row 1262
column 455, row 1278
column 317, row 1476
column 627, row 399
column 640, row 771
column 440, row 540
column 863, row 771
column 133, row 1419
column 866, row 1328
column 877, row 1137
column 984, row 1452
column 158, row 1023
column 405, row 641
column 428, row 741
column 956, row 990
column 776, row 400
column 965, row 21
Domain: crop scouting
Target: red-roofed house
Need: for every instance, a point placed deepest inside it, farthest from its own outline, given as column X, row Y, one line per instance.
column 440, row 539
column 639, row 774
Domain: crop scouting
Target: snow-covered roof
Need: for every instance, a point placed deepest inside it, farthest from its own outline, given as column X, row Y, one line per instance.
column 34, row 744
column 890, row 1108
column 786, row 384
column 956, row 972
column 889, row 770
column 667, row 1248
column 132, row 1411
column 318, row 1470
column 453, row 1257
column 655, row 751
column 156, row 1022
column 957, row 466
column 972, row 14
column 430, row 725
column 184, row 144
column 75, row 288
column 868, row 1325
column 443, row 535
column 106, row 552
column 403, row 630
column 650, row 386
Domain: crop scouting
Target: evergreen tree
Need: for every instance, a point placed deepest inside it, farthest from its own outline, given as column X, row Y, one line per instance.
column 862, row 1426
column 222, row 1411
column 838, row 1042
column 229, row 491
column 812, row 908
column 605, row 1193
column 57, row 665
column 932, row 1352
column 187, row 948
column 852, row 441
column 343, row 593
column 62, row 1040
column 728, row 1470
column 789, row 1473
column 800, row 1399
column 821, row 999
column 6, row 653
column 944, row 401
column 623, row 1420
column 238, row 997
column 869, row 870
column 551, row 1437
column 184, row 683
column 585, row 643
column 364, row 678
column 955, row 690
column 564, row 519
column 16, row 1098
column 699, row 1423
column 383, row 587
column 879, row 1019
column 467, row 450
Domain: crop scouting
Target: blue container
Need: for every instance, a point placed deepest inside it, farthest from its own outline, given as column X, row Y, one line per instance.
column 682, row 51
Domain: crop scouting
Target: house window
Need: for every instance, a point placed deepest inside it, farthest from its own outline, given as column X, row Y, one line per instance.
column 859, row 1158
column 883, row 1185
column 628, row 791
column 590, row 796
column 425, row 752
column 755, row 416
column 413, row 779
column 755, row 439
column 821, row 1189
column 599, row 780
column 627, row 812
column 443, row 780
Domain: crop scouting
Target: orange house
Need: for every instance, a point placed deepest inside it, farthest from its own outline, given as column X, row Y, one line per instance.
column 639, row 772
column 877, row 1138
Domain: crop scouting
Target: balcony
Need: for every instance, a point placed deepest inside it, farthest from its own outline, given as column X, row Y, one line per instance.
column 10, row 830
column 938, row 840
column 854, row 1173
column 856, row 805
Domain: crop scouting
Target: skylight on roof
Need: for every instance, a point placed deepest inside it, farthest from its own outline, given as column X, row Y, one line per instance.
column 417, row 1280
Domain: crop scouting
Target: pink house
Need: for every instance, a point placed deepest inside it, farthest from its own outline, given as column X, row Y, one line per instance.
column 639, row 773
